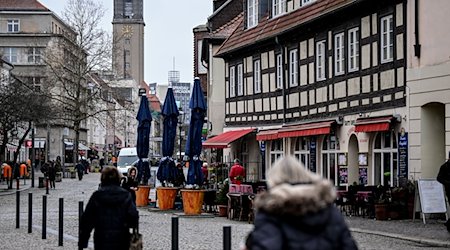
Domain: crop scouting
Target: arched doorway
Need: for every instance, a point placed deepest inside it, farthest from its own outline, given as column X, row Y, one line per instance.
column 353, row 166
column 432, row 138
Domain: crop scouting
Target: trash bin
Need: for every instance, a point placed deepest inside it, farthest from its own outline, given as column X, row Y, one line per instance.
column 41, row 182
column 73, row 174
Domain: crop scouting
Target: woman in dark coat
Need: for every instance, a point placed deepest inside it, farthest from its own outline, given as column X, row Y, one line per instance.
column 51, row 174
column 111, row 213
column 130, row 183
column 298, row 212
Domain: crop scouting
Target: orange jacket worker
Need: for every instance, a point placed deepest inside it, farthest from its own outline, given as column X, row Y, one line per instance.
column 23, row 170
column 7, row 171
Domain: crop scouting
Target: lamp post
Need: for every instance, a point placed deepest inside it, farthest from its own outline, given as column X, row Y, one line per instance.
column 180, row 126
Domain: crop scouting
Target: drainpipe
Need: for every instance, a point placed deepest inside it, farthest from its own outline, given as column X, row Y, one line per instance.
column 283, row 90
column 416, row 29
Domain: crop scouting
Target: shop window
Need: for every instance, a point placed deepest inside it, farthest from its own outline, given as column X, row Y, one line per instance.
column 301, row 151
column 329, row 156
column 385, row 159
column 276, row 150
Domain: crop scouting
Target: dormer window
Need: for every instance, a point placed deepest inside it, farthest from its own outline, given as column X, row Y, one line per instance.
column 278, row 7
column 305, row 2
column 252, row 13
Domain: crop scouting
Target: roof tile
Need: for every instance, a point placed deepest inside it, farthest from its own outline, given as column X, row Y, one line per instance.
column 22, row 5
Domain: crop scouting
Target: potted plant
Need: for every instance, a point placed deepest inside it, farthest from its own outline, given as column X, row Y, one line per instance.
column 381, row 206
column 222, row 199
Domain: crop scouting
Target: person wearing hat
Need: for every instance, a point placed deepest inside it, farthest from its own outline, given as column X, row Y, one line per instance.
column 298, row 212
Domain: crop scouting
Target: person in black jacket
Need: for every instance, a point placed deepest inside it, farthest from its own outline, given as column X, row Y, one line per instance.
column 297, row 212
column 111, row 213
column 444, row 178
column 130, row 183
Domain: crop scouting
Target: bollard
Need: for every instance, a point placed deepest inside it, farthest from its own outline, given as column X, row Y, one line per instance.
column 46, row 186
column 17, row 183
column 174, row 233
column 30, row 211
column 80, row 213
column 17, row 209
column 227, row 238
column 44, row 217
column 60, row 231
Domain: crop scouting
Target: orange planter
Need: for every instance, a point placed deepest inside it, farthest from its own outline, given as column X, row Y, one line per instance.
column 192, row 201
column 166, row 197
column 142, row 196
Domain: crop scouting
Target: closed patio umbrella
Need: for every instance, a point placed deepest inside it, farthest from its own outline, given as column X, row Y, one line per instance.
column 198, row 106
column 144, row 117
column 167, row 170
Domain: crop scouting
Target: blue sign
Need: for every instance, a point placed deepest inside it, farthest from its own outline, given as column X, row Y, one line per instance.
column 262, row 146
column 402, row 157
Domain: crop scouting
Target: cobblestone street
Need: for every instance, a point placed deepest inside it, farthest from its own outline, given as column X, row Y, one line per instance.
column 194, row 233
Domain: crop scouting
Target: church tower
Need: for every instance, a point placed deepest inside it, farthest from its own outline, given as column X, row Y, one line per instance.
column 128, row 40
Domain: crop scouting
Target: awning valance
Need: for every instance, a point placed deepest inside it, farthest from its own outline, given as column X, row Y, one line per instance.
column 267, row 135
column 69, row 146
column 223, row 140
column 308, row 129
column 373, row 124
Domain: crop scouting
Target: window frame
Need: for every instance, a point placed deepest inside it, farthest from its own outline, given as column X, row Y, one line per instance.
column 252, row 13
column 240, row 80
column 276, row 150
column 12, row 24
column 232, row 82
column 353, row 42
column 339, row 54
column 385, row 148
column 8, row 54
column 35, row 54
column 300, row 150
column 279, row 71
column 388, row 42
column 293, row 68
column 278, row 8
column 321, row 61
column 306, row 2
column 257, row 76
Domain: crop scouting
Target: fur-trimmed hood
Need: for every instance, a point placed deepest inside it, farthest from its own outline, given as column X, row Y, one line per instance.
column 296, row 199
column 131, row 168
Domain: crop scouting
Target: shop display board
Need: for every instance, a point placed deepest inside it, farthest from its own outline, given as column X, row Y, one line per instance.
column 430, row 194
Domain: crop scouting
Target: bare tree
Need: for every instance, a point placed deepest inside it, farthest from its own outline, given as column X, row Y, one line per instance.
column 20, row 106
column 71, row 58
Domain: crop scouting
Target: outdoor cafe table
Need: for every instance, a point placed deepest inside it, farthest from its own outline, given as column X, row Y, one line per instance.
column 238, row 205
column 242, row 188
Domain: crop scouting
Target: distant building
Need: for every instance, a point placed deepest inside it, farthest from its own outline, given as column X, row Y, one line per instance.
column 28, row 28
column 128, row 36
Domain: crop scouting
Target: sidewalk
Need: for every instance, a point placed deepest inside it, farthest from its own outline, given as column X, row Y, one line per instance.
column 22, row 187
column 433, row 233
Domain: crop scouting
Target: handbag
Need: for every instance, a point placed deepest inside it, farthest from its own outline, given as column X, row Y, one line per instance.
column 136, row 240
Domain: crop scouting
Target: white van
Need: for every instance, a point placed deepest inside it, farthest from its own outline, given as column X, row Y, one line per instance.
column 127, row 156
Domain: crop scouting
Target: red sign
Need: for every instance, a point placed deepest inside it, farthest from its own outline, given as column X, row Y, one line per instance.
column 28, row 143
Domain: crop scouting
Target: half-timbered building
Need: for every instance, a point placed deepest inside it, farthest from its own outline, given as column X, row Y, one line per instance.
column 323, row 80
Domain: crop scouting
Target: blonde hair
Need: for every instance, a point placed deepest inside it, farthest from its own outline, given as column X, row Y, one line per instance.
column 289, row 170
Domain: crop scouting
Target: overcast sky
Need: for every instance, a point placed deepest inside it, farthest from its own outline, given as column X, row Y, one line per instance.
column 168, row 33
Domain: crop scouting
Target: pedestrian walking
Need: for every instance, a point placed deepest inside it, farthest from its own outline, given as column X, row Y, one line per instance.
column 80, row 170
column 130, row 183
column 111, row 213
column 444, row 178
column 298, row 212
column 51, row 174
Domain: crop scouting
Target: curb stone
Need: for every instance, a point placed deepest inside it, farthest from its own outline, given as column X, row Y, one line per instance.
column 435, row 243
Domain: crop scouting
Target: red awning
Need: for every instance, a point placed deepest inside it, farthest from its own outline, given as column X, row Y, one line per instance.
column 224, row 139
column 317, row 128
column 267, row 135
column 373, row 124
